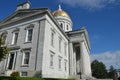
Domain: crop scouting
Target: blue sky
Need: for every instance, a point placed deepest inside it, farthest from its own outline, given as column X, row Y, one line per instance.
column 100, row 17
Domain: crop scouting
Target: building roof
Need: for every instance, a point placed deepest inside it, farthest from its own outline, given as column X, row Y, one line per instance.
column 26, row 13
column 21, row 14
column 82, row 30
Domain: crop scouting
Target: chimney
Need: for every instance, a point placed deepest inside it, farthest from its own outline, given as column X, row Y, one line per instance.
column 25, row 5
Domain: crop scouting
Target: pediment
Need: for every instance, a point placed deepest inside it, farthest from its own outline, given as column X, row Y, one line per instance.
column 20, row 14
column 16, row 16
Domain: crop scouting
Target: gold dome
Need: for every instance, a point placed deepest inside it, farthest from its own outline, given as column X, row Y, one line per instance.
column 60, row 12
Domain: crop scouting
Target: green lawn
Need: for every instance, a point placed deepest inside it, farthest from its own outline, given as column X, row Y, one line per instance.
column 27, row 78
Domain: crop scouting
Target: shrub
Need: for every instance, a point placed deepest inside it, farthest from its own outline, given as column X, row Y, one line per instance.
column 15, row 74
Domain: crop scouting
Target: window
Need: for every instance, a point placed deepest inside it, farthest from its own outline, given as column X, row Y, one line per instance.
column 52, row 38
column 65, row 65
column 67, row 27
column 24, row 74
column 60, row 43
column 4, row 36
column 11, row 60
column 29, row 32
column 26, row 56
column 61, row 25
column 15, row 38
column 59, row 62
column 51, row 60
column 29, row 35
column 65, row 47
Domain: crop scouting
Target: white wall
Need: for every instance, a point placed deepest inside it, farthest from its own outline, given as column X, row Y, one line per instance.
column 21, row 42
column 54, row 71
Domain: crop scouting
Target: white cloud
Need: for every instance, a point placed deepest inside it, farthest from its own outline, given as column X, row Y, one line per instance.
column 108, row 58
column 90, row 4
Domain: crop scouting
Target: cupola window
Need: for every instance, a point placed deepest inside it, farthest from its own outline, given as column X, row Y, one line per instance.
column 61, row 25
column 67, row 27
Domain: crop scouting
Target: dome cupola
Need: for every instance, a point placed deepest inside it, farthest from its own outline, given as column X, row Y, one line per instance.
column 63, row 19
column 60, row 12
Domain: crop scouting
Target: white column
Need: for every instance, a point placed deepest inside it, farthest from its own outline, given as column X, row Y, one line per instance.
column 82, row 66
column 71, row 61
column 85, row 61
column 74, row 62
column 77, row 57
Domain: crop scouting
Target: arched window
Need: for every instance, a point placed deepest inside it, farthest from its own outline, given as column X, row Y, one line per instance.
column 61, row 25
column 4, row 36
column 67, row 27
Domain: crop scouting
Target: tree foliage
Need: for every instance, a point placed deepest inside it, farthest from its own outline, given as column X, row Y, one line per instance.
column 99, row 69
column 111, row 72
column 3, row 49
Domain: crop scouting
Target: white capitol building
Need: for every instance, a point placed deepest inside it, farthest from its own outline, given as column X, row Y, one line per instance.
column 43, row 44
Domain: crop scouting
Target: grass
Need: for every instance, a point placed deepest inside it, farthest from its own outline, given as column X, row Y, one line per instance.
column 28, row 78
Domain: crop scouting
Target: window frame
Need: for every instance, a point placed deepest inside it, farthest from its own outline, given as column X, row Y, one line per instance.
column 29, row 35
column 9, row 58
column 60, row 44
column 65, row 65
column 51, row 59
column 65, row 48
column 29, row 27
column 4, row 36
column 61, row 25
column 67, row 27
column 14, row 40
column 52, row 37
column 21, row 74
column 60, row 63
column 23, row 57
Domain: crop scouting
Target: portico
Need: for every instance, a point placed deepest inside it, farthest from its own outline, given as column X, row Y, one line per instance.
column 79, row 54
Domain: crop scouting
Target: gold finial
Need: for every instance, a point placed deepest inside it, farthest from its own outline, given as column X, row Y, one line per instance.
column 59, row 7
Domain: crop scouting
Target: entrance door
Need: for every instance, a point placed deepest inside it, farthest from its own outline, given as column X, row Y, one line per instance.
column 11, row 60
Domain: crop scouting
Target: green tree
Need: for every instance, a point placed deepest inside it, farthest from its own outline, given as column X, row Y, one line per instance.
column 111, row 72
column 3, row 49
column 99, row 69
